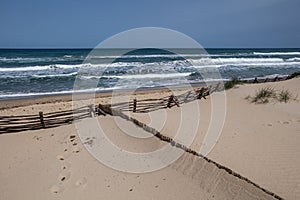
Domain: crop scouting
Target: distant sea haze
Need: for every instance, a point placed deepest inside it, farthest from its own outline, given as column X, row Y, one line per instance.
column 25, row 73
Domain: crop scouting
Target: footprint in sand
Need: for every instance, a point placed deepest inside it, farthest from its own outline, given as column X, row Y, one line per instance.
column 63, row 176
column 72, row 138
column 64, row 155
column 76, row 150
column 65, row 166
column 81, row 182
column 75, row 143
column 60, row 157
column 283, row 122
column 56, row 189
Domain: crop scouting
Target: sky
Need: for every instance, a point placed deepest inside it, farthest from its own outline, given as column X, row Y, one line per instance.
column 213, row 23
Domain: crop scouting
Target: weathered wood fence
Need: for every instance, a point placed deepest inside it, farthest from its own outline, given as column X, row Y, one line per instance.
column 265, row 80
column 42, row 120
column 17, row 123
column 149, row 105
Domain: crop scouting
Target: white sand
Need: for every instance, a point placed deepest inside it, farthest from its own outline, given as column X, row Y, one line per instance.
column 261, row 142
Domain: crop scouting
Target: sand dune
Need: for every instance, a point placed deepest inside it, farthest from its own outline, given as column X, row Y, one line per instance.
column 260, row 142
column 53, row 164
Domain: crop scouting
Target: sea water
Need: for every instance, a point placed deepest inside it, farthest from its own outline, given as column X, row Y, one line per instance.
column 37, row 72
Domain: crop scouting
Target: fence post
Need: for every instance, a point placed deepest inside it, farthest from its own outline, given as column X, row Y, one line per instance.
column 91, row 110
column 218, row 87
column 206, row 91
column 134, row 104
column 187, row 96
column 170, row 101
column 255, row 80
column 200, row 95
column 100, row 111
column 175, row 100
column 42, row 119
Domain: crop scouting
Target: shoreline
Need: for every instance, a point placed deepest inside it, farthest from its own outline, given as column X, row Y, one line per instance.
column 13, row 102
column 55, row 98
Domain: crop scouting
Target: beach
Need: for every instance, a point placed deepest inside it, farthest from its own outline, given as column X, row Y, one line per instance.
column 150, row 100
column 258, row 141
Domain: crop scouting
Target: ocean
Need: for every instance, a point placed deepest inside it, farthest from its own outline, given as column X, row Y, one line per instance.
column 38, row 72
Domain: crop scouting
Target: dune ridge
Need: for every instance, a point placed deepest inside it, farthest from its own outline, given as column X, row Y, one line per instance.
column 193, row 170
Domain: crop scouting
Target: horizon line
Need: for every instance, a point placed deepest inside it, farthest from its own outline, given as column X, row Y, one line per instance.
column 89, row 48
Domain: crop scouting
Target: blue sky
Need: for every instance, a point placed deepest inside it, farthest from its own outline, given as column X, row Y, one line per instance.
column 213, row 23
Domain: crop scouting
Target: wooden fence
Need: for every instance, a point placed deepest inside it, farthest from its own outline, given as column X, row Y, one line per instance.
column 49, row 120
column 265, row 80
column 42, row 120
column 149, row 105
column 17, row 123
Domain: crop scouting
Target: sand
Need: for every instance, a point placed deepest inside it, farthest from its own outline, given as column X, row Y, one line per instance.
column 260, row 142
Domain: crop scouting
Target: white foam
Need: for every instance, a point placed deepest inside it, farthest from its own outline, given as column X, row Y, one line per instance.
column 39, row 76
column 19, row 69
column 247, row 65
column 146, row 56
column 5, row 59
column 234, row 60
column 89, row 65
column 276, row 53
column 37, row 59
column 48, row 67
column 68, row 56
column 197, row 63
column 33, row 94
column 150, row 76
column 293, row 59
column 55, row 75
column 207, row 55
